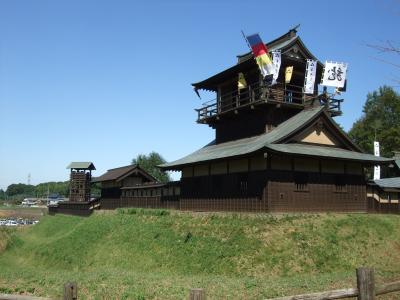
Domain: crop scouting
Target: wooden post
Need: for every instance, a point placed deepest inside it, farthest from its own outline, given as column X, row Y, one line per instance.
column 197, row 294
column 70, row 291
column 365, row 283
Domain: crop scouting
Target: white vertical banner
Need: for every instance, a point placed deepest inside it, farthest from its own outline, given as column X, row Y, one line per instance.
column 311, row 71
column 276, row 61
column 334, row 74
column 377, row 169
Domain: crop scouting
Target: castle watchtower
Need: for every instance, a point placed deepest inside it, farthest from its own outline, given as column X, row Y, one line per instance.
column 256, row 108
column 80, row 179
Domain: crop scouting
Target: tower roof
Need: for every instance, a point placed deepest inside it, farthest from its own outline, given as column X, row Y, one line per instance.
column 81, row 165
column 289, row 44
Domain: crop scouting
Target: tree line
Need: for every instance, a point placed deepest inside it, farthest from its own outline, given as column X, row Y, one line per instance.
column 18, row 191
column 40, row 190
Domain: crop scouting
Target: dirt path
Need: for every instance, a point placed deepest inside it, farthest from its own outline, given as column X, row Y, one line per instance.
column 22, row 212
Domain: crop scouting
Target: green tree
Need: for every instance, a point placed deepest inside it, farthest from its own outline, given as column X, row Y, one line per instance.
column 20, row 189
column 61, row 187
column 149, row 163
column 381, row 115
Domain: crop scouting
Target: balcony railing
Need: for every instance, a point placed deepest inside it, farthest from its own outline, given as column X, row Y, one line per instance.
column 256, row 94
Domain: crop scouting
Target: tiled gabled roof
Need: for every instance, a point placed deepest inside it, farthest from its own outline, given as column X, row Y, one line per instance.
column 122, row 172
column 393, row 182
column 274, row 141
column 246, row 61
column 327, row 152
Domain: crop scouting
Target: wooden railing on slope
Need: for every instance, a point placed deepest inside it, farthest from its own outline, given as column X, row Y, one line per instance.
column 365, row 290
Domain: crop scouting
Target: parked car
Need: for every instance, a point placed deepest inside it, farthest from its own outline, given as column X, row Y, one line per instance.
column 11, row 223
column 29, row 202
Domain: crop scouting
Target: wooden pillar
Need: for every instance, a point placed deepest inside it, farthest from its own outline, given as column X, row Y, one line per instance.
column 365, row 283
column 197, row 294
column 268, row 160
column 70, row 291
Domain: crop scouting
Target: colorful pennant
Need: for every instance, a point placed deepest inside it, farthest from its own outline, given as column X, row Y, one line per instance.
column 261, row 56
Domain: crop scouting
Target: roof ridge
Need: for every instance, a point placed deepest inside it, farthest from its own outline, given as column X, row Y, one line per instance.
column 132, row 165
column 292, row 33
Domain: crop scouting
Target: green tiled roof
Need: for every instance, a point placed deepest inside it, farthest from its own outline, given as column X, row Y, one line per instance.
column 248, row 145
column 81, row 165
column 388, row 182
column 271, row 141
column 321, row 151
column 397, row 162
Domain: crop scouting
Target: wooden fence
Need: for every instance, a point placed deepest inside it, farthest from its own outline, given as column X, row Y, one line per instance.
column 365, row 290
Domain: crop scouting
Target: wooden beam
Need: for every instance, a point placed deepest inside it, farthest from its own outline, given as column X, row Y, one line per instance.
column 388, row 288
column 343, row 293
column 329, row 295
column 21, row 297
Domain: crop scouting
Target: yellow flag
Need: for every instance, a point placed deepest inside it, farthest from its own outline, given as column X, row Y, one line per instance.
column 241, row 81
column 288, row 74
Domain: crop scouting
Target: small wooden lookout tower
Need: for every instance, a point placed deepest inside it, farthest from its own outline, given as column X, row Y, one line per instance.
column 80, row 178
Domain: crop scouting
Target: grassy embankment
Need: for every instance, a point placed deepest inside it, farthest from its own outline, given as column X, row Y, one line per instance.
column 142, row 254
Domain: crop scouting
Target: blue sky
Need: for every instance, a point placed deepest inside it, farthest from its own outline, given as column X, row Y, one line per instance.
column 121, row 70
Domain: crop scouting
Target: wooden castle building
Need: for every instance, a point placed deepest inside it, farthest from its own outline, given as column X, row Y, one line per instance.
column 276, row 149
column 131, row 186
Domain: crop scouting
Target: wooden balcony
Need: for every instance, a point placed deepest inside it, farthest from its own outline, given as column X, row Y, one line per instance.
column 255, row 95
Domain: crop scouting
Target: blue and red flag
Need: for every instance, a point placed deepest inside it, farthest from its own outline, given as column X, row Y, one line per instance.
column 261, row 55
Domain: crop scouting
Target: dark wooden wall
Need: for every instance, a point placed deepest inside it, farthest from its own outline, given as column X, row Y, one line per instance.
column 235, row 185
column 250, row 122
column 110, row 203
column 321, row 193
column 110, row 193
column 275, row 191
column 141, row 202
column 72, row 208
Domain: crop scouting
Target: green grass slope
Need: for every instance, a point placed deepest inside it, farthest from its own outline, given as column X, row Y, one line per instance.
column 151, row 254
